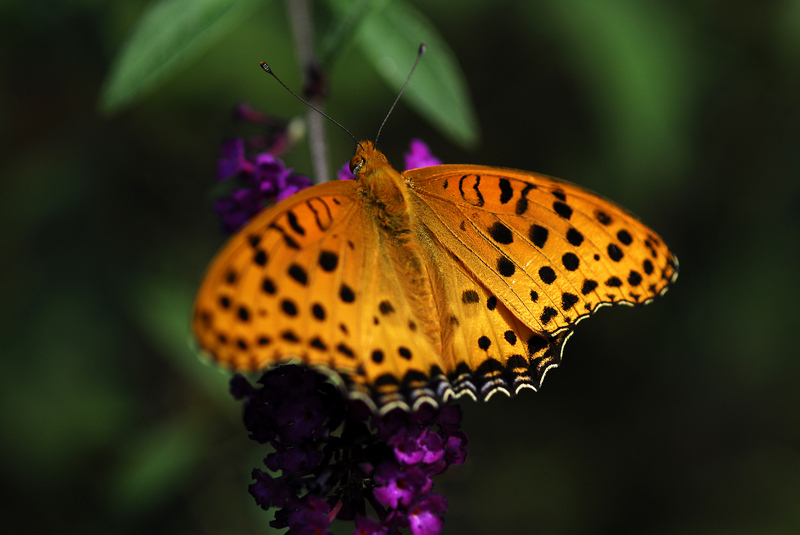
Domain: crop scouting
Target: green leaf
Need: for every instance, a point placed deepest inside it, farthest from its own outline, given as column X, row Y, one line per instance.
column 169, row 35
column 389, row 36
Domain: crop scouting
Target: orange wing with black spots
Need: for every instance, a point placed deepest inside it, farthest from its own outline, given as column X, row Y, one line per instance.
column 443, row 281
column 550, row 250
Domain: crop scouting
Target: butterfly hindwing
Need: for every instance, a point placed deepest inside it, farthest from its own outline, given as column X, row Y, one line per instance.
column 485, row 346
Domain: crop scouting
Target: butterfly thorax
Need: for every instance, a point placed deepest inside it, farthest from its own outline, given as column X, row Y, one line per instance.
column 385, row 192
column 382, row 188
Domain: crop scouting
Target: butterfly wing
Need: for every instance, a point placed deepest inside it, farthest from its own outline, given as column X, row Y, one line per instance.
column 548, row 251
column 254, row 306
column 474, row 293
column 313, row 278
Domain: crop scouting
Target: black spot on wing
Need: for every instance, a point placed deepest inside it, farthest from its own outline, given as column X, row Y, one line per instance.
column 570, row 261
column 538, row 235
column 268, row 286
column 506, row 191
column 574, row 237
column 328, row 260
column 603, row 217
column 299, row 274
column 614, row 252
column 505, row 266
column 501, row 233
column 288, row 240
column 469, row 297
column 568, row 300
column 562, row 209
column 476, row 187
column 522, row 202
column 294, row 223
column 510, row 337
column 289, row 307
column 548, row 314
column 345, row 350
column 346, row 294
column 329, row 217
column 588, row 286
column 547, row 274
column 260, row 257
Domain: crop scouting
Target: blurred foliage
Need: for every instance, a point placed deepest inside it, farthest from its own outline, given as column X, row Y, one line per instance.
column 681, row 417
column 173, row 32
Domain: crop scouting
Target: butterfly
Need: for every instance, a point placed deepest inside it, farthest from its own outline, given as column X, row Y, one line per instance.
column 426, row 285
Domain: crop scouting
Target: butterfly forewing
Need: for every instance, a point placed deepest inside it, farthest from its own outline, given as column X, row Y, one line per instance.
column 283, row 285
column 550, row 250
column 313, row 278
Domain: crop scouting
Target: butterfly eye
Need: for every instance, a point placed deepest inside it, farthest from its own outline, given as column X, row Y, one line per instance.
column 356, row 163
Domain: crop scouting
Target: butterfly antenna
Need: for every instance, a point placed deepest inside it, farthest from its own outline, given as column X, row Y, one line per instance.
column 422, row 48
column 268, row 70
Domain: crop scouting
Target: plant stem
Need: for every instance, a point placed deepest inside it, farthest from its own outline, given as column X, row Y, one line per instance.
column 300, row 16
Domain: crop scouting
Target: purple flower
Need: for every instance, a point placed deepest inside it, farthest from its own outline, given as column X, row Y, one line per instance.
column 368, row 526
column 254, row 175
column 344, row 172
column 419, row 155
column 417, row 445
column 310, row 518
column 399, row 486
column 298, row 459
column 425, row 515
column 231, row 159
column 333, row 456
column 268, row 491
column 259, row 181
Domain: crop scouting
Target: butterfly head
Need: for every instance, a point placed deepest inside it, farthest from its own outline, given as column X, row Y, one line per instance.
column 367, row 160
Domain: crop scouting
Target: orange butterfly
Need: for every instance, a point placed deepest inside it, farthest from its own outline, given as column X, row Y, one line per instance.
column 425, row 285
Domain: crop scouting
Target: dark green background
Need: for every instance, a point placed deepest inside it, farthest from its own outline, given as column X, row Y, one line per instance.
column 681, row 417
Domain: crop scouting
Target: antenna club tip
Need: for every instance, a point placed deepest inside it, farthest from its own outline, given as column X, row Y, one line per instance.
column 265, row 67
column 422, row 48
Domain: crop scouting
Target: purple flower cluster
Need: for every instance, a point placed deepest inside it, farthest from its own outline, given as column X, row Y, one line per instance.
column 260, row 178
column 251, row 169
column 333, row 456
